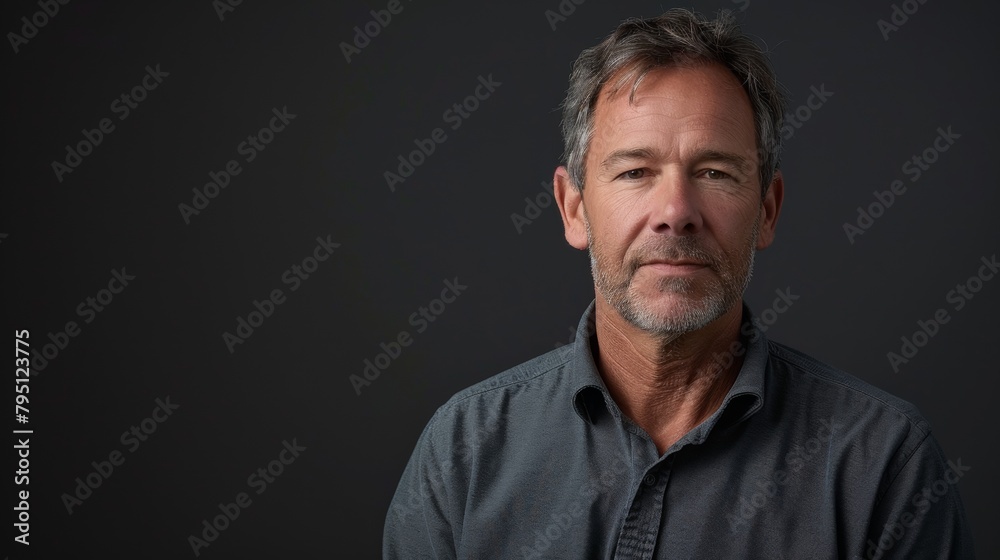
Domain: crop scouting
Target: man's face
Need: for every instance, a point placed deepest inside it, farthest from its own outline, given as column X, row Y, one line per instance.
column 671, row 208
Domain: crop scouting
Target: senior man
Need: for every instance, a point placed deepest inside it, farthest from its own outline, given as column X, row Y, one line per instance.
column 671, row 427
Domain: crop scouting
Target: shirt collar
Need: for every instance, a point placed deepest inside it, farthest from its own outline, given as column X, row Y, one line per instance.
column 591, row 398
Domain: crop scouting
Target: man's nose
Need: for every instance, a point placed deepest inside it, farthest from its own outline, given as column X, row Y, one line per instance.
column 675, row 205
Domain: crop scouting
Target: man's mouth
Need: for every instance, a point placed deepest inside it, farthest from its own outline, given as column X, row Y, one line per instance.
column 675, row 266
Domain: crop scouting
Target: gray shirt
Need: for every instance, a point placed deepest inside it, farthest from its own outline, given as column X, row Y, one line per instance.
column 800, row 461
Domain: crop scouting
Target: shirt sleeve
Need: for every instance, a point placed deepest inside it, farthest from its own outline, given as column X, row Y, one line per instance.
column 921, row 515
column 420, row 523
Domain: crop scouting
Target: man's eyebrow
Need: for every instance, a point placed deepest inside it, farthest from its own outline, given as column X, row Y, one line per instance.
column 739, row 162
column 618, row 156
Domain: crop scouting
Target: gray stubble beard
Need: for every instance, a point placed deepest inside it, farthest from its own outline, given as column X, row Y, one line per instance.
column 694, row 316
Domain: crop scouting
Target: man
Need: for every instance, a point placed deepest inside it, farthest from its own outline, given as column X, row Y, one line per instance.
column 672, row 428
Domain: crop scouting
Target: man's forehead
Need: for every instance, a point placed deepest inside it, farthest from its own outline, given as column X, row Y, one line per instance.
column 706, row 98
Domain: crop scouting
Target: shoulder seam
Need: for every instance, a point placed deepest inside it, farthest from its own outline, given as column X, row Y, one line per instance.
column 452, row 401
column 902, row 467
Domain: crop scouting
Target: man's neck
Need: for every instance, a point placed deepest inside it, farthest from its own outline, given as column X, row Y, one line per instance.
column 667, row 386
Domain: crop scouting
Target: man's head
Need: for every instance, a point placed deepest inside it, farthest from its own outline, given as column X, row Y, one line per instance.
column 676, row 38
column 672, row 140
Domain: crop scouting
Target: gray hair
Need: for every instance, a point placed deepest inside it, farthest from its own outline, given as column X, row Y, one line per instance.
column 677, row 38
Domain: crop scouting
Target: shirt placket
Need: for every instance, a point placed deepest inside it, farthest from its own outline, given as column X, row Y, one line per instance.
column 637, row 539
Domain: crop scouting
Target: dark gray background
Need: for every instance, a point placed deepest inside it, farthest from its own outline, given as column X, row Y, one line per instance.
column 323, row 175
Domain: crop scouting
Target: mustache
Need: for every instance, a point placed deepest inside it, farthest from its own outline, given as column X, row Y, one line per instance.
column 673, row 249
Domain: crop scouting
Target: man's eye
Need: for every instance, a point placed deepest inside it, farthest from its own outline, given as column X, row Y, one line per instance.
column 715, row 174
column 634, row 174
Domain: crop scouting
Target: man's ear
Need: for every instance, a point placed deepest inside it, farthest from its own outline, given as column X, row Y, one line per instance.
column 570, row 201
column 772, row 208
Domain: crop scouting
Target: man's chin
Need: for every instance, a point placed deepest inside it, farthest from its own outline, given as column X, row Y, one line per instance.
column 675, row 296
column 671, row 314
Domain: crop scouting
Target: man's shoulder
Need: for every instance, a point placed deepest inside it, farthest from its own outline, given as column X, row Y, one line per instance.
column 817, row 380
column 527, row 373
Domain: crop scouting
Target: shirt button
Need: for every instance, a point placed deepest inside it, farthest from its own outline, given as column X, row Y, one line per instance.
column 649, row 480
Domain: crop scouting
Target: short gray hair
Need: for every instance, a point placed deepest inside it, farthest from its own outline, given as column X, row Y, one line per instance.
column 677, row 38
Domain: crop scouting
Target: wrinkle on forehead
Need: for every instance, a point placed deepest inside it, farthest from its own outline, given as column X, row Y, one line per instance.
column 721, row 110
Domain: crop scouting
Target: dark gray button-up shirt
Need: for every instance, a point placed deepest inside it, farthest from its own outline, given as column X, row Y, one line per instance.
column 800, row 461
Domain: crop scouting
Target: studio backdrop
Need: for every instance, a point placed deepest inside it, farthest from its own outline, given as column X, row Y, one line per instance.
column 248, row 248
